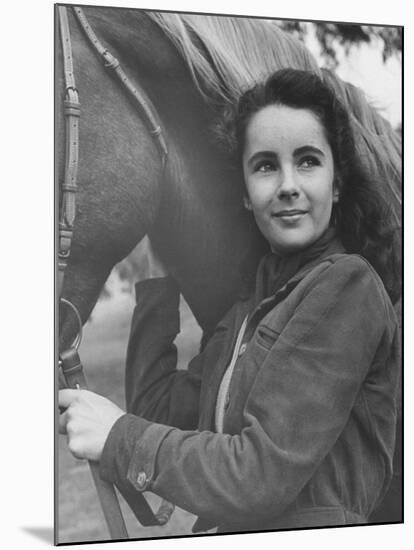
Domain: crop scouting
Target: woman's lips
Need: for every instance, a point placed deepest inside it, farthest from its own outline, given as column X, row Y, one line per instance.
column 290, row 216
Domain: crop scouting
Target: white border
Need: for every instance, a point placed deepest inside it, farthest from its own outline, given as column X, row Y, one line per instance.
column 27, row 269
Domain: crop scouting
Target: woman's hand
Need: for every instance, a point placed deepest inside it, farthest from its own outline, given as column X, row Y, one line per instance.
column 87, row 421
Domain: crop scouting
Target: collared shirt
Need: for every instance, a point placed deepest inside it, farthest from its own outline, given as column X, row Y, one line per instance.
column 223, row 393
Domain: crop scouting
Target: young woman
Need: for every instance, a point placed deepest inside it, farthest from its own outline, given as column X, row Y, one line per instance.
column 288, row 417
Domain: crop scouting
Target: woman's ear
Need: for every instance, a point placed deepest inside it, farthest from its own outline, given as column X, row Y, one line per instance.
column 246, row 202
column 335, row 198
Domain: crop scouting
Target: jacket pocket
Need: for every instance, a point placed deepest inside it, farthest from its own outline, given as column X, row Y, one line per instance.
column 266, row 337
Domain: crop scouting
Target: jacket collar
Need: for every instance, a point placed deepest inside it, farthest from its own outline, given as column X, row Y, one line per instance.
column 334, row 247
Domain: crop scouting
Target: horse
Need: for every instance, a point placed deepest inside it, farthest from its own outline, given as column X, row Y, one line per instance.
column 192, row 67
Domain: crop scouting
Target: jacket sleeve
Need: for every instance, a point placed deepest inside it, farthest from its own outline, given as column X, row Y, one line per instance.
column 155, row 389
column 297, row 407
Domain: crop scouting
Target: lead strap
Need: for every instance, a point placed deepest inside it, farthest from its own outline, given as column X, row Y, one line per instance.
column 75, row 378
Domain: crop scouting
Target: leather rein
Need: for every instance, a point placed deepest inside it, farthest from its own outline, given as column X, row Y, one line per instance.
column 69, row 360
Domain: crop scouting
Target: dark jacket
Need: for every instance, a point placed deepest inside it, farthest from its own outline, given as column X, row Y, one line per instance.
column 311, row 417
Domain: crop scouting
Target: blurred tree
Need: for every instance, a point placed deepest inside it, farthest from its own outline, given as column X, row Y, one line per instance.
column 332, row 35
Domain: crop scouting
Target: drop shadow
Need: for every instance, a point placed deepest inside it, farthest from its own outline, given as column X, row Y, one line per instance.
column 43, row 533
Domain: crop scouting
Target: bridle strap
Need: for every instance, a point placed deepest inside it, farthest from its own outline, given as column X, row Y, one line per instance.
column 69, row 185
column 145, row 106
column 143, row 103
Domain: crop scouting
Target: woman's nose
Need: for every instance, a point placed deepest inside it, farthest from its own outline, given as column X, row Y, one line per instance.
column 288, row 188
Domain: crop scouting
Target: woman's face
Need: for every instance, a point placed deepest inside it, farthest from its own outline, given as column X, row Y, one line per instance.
column 289, row 172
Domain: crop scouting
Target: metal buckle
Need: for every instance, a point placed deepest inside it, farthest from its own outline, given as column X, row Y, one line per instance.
column 78, row 339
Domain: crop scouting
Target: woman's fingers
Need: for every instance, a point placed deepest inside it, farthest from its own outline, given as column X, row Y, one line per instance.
column 66, row 397
column 87, row 420
column 63, row 420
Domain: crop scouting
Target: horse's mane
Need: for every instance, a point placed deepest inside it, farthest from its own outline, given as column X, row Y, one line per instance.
column 378, row 144
column 227, row 55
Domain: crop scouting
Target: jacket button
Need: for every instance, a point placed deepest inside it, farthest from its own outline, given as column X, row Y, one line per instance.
column 141, row 479
column 242, row 349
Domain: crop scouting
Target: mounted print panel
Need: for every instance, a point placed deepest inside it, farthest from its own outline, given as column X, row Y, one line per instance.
column 228, row 274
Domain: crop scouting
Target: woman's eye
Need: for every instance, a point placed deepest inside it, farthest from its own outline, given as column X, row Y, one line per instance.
column 264, row 166
column 309, row 162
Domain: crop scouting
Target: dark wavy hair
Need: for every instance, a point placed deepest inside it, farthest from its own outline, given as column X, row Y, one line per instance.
column 362, row 216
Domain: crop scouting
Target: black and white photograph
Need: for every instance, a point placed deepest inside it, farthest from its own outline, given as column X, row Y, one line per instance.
column 204, row 258
column 228, row 274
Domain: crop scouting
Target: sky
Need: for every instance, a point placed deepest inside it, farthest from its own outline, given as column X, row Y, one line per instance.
column 363, row 66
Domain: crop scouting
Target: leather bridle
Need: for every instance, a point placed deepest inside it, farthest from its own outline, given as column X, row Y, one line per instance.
column 69, row 359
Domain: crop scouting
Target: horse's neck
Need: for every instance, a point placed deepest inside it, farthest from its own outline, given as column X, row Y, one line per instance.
column 200, row 228
column 200, row 223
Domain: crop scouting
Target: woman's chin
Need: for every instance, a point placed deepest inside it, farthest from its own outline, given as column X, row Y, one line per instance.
column 291, row 245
